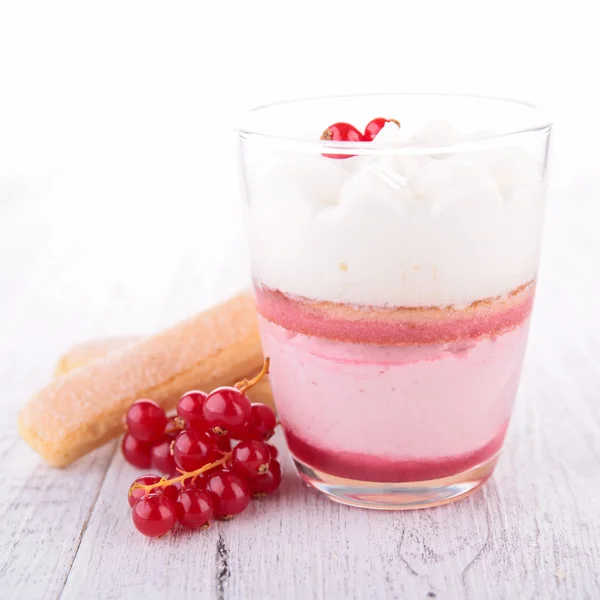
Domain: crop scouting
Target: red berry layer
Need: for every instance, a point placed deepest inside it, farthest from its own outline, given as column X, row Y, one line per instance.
column 363, row 467
column 395, row 326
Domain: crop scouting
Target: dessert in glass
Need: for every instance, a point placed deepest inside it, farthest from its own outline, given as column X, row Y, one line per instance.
column 394, row 243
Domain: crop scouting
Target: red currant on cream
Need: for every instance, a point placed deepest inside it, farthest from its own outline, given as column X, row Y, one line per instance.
column 375, row 126
column 341, row 132
column 146, row 421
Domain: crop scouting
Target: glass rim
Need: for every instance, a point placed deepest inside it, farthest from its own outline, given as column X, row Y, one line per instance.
column 412, row 147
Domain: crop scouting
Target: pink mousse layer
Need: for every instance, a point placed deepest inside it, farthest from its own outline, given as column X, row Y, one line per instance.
column 393, row 413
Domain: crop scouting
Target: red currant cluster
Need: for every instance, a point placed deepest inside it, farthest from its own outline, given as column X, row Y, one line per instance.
column 215, row 452
column 344, row 132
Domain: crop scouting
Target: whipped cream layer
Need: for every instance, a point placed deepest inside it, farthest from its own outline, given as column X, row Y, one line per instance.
column 398, row 230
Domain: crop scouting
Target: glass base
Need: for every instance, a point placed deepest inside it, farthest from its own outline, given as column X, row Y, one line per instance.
column 397, row 496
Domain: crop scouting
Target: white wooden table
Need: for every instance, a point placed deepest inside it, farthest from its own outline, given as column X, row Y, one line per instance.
column 70, row 270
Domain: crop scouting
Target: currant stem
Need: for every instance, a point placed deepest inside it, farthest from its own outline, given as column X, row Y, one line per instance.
column 184, row 475
column 246, row 384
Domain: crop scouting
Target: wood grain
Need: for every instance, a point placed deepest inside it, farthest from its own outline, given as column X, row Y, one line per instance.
column 533, row 532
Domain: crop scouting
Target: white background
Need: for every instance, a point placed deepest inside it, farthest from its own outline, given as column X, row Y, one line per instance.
column 128, row 107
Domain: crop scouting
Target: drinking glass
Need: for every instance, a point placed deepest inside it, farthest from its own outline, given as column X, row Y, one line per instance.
column 394, row 280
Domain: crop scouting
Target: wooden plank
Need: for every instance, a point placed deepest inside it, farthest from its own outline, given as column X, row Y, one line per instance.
column 114, row 561
column 57, row 293
column 42, row 510
column 44, row 520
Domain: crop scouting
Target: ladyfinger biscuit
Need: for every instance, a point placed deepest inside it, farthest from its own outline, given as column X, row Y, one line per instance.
column 86, row 352
column 84, row 409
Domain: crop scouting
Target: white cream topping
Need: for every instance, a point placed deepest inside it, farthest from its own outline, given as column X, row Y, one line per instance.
column 399, row 230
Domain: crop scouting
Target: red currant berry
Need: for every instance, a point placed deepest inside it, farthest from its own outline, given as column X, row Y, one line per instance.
column 170, row 491
column 146, row 421
column 375, row 126
column 273, row 450
column 160, row 454
column 189, row 408
column 154, row 515
column 341, row 132
column 222, row 443
column 135, row 452
column 193, row 450
column 231, row 494
column 261, row 424
column 135, row 494
column 265, row 484
column 226, row 409
column 250, row 458
column 194, row 508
